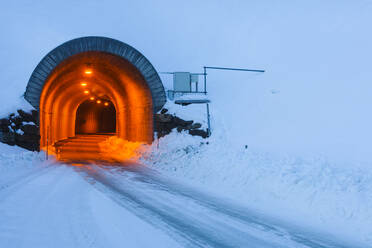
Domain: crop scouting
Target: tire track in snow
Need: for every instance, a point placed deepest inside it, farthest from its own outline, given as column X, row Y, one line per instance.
column 153, row 179
column 11, row 186
column 218, row 225
column 198, row 227
column 80, row 220
column 14, row 222
column 60, row 209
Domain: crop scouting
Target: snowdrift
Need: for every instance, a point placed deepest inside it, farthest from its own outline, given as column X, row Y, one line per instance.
column 312, row 192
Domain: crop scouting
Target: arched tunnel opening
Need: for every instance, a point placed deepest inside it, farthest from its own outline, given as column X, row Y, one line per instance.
column 105, row 78
column 95, row 86
column 95, row 117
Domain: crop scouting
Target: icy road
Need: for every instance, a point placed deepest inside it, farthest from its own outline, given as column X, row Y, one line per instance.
column 132, row 206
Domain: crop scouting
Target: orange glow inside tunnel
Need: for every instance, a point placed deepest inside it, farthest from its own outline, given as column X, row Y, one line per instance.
column 85, row 80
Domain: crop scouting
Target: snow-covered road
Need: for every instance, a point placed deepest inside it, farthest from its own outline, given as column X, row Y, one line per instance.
column 132, row 206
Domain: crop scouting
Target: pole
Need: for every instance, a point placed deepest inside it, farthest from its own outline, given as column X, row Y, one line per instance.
column 47, row 143
column 231, row 69
column 157, row 139
column 205, row 80
column 51, row 128
column 209, row 122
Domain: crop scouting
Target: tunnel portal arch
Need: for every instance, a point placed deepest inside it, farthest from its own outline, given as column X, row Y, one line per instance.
column 98, row 68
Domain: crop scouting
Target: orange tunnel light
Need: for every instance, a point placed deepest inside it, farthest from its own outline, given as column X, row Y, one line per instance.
column 86, row 91
column 83, row 84
column 92, row 98
column 98, row 101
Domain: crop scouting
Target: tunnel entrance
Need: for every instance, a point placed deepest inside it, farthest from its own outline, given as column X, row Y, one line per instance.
column 95, row 116
column 95, row 85
column 78, row 89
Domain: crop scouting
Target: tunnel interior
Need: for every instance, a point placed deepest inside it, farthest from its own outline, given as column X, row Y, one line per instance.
column 95, row 92
column 95, row 117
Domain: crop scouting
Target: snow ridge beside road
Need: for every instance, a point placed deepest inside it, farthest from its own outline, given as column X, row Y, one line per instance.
column 309, row 191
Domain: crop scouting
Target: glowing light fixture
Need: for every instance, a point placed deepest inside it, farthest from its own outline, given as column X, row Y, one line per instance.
column 92, row 98
column 83, row 84
column 86, row 91
column 98, row 101
column 106, row 103
column 88, row 69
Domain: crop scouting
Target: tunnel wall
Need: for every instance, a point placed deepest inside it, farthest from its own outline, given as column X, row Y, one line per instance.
column 134, row 95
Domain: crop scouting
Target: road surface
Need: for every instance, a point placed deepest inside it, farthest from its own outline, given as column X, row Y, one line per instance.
column 132, row 206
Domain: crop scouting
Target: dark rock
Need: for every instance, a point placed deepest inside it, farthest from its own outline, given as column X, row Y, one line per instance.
column 27, row 117
column 4, row 122
column 182, row 123
column 17, row 121
column 188, row 123
column 31, row 146
column 30, row 139
column 4, row 129
column 25, row 138
column 12, row 127
column 163, row 111
column 178, row 121
column 164, row 117
column 4, row 125
column 165, row 123
column 196, row 126
column 200, row 133
column 35, row 116
column 30, row 129
column 188, row 127
column 8, row 138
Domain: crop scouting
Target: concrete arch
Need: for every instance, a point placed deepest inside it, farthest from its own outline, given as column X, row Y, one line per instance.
column 118, row 74
column 100, row 44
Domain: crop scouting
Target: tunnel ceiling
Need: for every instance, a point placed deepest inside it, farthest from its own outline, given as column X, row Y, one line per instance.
column 94, row 44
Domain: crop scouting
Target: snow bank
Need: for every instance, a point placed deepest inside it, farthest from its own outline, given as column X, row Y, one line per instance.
column 313, row 192
column 15, row 162
column 12, row 105
column 14, row 156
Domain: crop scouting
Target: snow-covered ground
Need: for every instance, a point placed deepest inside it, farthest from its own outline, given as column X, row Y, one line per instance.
column 312, row 192
column 55, row 205
column 45, row 204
